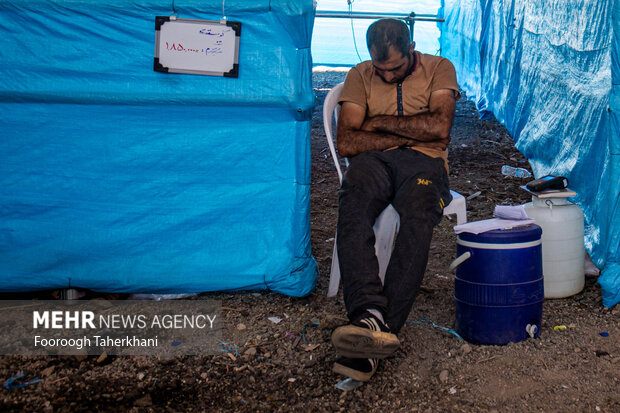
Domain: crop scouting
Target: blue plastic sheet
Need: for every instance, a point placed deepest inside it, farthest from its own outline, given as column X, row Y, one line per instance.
column 117, row 178
column 550, row 71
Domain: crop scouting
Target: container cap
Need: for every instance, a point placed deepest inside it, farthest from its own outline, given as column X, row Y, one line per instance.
column 526, row 233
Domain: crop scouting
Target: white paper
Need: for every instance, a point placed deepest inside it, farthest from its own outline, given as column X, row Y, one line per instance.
column 197, row 46
column 510, row 212
column 478, row 227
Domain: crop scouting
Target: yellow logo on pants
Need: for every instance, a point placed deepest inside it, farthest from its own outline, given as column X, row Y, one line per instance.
column 426, row 182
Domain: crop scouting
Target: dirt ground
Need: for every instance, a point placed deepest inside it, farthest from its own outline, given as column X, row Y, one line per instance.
column 287, row 366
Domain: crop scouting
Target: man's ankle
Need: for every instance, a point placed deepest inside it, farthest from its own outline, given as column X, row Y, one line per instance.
column 376, row 313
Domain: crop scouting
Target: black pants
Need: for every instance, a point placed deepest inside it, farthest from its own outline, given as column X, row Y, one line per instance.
column 417, row 186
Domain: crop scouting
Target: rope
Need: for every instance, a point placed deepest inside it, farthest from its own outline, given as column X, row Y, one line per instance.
column 428, row 323
column 350, row 3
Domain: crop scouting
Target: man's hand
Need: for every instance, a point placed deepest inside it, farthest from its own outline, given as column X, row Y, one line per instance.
column 369, row 125
column 441, row 144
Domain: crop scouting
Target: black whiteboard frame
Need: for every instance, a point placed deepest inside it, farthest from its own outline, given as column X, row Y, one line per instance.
column 158, row 67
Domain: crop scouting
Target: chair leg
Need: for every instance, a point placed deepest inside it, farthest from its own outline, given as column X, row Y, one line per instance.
column 334, row 276
column 458, row 206
column 461, row 211
column 386, row 228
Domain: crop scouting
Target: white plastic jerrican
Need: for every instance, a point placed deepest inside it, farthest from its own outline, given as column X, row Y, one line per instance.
column 562, row 245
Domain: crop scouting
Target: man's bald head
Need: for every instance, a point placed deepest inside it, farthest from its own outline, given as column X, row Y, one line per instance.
column 386, row 33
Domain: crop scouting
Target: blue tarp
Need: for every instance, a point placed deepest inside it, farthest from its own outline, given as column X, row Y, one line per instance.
column 117, row 178
column 550, row 72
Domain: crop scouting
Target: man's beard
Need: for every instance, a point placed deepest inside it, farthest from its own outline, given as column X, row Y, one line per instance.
column 407, row 72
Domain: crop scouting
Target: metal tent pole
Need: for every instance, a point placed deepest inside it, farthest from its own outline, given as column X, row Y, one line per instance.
column 410, row 18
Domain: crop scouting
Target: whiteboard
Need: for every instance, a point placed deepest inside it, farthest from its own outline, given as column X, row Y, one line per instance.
column 202, row 47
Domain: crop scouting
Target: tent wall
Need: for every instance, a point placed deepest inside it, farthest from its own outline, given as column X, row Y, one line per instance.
column 610, row 280
column 545, row 70
column 117, row 178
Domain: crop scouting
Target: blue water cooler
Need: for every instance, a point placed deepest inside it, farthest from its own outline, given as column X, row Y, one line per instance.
column 499, row 288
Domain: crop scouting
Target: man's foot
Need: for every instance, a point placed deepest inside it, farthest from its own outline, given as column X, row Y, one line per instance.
column 357, row 369
column 367, row 337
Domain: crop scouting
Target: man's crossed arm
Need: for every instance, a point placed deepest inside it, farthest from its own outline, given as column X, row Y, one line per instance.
column 357, row 134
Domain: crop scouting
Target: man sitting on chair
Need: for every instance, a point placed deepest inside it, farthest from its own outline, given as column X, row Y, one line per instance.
column 394, row 125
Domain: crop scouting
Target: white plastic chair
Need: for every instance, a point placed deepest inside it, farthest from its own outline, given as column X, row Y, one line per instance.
column 387, row 223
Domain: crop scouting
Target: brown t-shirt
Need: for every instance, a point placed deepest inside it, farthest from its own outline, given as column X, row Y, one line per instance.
column 363, row 87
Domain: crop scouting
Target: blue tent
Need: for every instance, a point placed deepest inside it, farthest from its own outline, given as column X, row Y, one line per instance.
column 550, row 72
column 118, row 178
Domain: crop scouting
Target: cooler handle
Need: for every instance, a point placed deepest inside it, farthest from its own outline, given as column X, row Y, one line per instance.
column 459, row 260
